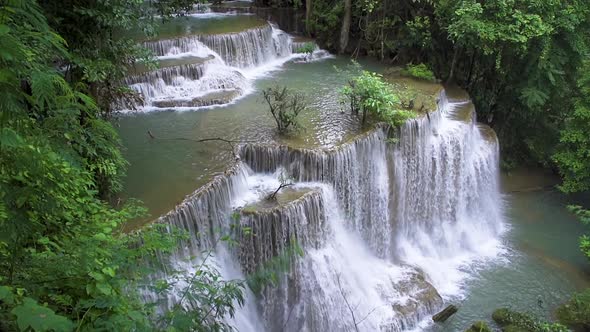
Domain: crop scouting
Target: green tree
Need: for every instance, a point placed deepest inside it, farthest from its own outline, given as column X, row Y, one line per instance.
column 573, row 154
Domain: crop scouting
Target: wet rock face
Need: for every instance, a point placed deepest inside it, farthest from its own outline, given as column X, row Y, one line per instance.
column 273, row 230
column 424, row 299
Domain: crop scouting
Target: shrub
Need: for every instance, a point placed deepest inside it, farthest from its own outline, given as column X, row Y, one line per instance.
column 285, row 106
column 307, row 48
column 576, row 312
column 368, row 93
column 419, row 71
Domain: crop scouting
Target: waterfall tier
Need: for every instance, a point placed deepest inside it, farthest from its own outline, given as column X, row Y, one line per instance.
column 273, row 230
column 358, row 171
column 191, row 68
column 246, row 49
column 206, row 70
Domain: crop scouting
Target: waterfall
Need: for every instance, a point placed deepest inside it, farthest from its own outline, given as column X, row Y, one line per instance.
column 245, row 49
column 341, row 274
column 357, row 170
column 447, row 198
column 205, row 70
column 387, row 227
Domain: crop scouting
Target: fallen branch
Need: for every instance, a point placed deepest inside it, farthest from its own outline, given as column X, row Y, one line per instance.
column 202, row 140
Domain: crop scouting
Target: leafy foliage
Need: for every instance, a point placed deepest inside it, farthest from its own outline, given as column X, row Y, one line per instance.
column 419, row 71
column 64, row 262
column 573, row 154
column 307, row 48
column 515, row 321
column 369, row 94
column 284, row 106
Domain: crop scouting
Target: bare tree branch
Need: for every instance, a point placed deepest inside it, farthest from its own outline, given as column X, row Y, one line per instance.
column 231, row 143
column 346, row 301
column 273, row 196
column 354, row 321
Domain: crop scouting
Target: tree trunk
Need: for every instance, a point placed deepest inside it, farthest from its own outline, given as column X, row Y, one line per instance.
column 308, row 17
column 453, row 64
column 471, row 64
column 345, row 26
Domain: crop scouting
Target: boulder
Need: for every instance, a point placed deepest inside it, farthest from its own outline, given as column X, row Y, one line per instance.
column 575, row 314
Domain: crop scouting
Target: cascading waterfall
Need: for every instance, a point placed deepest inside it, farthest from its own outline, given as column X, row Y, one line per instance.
column 447, row 199
column 358, row 171
column 380, row 223
column 204, row 70
column 386, row 228
column 246, row 49
column 341, row 274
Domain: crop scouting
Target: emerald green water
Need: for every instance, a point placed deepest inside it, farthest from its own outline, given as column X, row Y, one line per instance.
column 543, row 266
column 164, row 170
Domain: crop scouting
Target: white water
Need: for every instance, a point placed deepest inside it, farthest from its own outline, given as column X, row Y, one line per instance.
column 379, row 214
column 220, row 70
column 449, row 209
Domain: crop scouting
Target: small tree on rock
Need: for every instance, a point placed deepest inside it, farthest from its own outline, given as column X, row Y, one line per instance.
column 285, row 106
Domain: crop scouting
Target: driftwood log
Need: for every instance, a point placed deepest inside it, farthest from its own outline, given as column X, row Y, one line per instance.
column 445, row 314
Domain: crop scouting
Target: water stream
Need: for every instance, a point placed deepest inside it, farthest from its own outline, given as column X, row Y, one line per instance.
column 391, row 230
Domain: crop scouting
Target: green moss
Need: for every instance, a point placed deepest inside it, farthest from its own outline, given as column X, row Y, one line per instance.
column 479, row 327
column 576, row 312
column 512, row 321
column 501, row 316
column 514, row 328
column 419, row 71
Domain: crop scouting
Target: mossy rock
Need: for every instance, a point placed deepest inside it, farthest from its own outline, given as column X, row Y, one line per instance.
column 575, row 314
column 479, row 327
column 512, row 321
column 514, row 328
column 501, row 316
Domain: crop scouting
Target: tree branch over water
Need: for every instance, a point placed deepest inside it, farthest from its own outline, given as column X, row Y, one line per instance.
column 231, row 143
column 350, row 308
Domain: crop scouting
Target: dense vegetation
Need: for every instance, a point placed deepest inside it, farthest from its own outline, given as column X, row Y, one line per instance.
column 64, row 264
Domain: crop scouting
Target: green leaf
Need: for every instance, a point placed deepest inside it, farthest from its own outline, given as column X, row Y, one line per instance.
column 39, row 318
column 6, row 295
column 104, row 288
column 10, row 138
